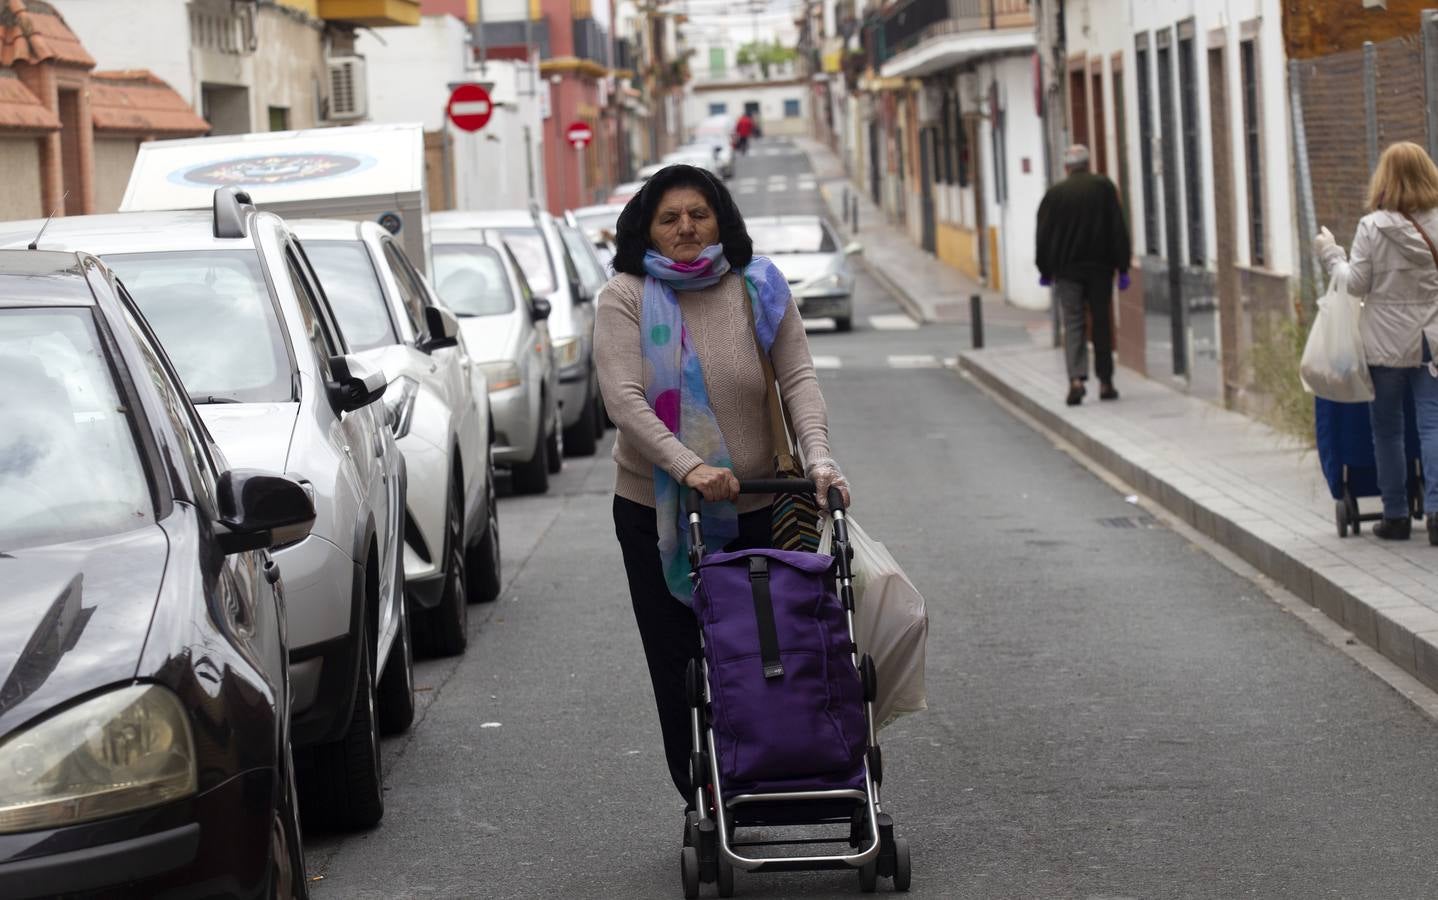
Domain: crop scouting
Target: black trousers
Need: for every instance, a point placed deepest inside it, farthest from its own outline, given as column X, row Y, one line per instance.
column 668, row 628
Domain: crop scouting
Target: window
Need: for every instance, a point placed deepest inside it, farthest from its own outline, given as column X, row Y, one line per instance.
column 279, row 118
column 1120, row 130
column 1078, row 106
column 792, row 237
column 1100, row 127
column 216, row 320
column 1252, row 151
column 529, row 248
column 1192, row 170
column 353, row 289
column 324, row 341
column 409, row 297
column 591, row 273
column 471, row 280
column 718, row 65
column 69, row 466
column 718, row 109
column 1145, row 147
column 791, row 109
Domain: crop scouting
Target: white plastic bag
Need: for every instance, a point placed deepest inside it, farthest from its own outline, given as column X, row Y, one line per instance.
column 1334, row 366
column 891, row 622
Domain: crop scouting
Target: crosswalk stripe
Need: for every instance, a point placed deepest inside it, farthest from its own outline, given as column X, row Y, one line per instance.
column 827, row 362
column 919, row 361
column 892, row 322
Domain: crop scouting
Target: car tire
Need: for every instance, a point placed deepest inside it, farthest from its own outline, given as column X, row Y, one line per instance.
column 288, row 878
column 484, row 559
column 843, row 323
column 444, row 630
column 556, row 444
column 396, row 685
column 580, row 438
column 532, row 477
column 340, row 783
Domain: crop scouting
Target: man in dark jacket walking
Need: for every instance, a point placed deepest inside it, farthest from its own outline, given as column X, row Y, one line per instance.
column 1082, row 241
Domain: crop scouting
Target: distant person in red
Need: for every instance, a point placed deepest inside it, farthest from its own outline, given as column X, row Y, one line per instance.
column 743, row 130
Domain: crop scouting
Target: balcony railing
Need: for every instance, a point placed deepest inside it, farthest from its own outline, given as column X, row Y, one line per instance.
column 911, row 23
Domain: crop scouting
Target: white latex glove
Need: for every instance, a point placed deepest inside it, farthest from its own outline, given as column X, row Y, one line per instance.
column 825, row 473
column 1324, row 244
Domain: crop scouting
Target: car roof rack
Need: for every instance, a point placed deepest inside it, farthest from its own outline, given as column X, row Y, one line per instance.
column 231, row 205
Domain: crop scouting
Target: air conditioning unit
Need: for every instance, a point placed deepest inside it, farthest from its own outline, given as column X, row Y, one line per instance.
column 349, row 91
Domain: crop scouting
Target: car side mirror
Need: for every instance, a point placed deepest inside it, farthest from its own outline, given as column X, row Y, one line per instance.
column 542, row 309
column 854, row 249
column 443, row 329
column 355, row 385
column 259, row 510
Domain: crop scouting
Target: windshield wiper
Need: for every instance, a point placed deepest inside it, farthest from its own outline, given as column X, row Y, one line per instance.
column 211, row 398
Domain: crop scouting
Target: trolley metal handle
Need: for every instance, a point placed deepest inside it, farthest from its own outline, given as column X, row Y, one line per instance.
column 693, row 499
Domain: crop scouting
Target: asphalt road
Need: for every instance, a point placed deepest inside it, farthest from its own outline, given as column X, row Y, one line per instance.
column 1112, row 712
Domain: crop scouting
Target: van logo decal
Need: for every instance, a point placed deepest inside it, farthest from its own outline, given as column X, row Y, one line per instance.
column 273, row 168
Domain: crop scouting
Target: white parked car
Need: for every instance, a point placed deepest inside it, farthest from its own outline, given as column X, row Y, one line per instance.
column 534, row 237
column 809, row 253
column 600, row 225
column 505, row 329
column 232, row 297
column 438, row 408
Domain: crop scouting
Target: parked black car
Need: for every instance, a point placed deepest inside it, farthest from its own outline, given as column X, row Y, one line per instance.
column 144, row 692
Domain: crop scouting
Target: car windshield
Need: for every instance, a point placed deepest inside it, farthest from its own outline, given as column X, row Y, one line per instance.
column 603, row 220
column 792, row 237
column 527, row 245
column 590, row 271
column 69, row 468
column 354, row 292
column 213, row 313
column 471, row 280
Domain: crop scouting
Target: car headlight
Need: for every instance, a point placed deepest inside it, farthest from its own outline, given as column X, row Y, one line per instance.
column 399, row 404
column 501, row 375
column 122, row 751
column 825, row 284
column 567, row 352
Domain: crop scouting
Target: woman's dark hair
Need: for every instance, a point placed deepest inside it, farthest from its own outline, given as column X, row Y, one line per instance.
column 631, row 234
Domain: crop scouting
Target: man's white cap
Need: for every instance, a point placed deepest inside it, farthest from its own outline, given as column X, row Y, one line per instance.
column 1075, row 156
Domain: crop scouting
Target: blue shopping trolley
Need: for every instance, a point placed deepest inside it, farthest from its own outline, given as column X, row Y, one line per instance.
column 1345, row 451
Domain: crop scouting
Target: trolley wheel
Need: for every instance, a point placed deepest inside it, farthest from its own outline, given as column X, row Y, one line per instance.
column 901, row 864
column 869, row 675
column 689, row 872
column 869, row 877
column 724, row 876
column 1354, row 522
column 1340, row 516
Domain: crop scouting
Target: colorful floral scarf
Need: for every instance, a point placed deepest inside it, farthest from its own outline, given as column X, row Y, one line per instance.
column 676, row 392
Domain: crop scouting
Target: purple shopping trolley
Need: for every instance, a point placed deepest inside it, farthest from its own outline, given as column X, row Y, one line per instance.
column 782, row 718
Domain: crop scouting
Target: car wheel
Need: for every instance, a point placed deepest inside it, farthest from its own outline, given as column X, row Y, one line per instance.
column 843, row 323
column 444, row 630
column 556, row 445
column 340, row 783
column 579, row 439
column 532, row 477
column 396, row 686
column 288, row 878
column 484, row 563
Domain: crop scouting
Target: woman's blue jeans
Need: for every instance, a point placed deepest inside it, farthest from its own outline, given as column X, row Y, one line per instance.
column 1389, row 429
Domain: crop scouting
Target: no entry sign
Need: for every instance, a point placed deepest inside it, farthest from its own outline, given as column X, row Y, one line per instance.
column 579, row 134
column 469, row 107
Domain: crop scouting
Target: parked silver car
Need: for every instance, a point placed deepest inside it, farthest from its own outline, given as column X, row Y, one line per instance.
column 534, row 237
column 233, row 299
column 438, row 408
column 809, row 253
column 505, row 327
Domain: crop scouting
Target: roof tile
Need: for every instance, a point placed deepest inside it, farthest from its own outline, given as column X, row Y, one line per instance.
column 20, row 109
column 139, row 102
column 32, row 31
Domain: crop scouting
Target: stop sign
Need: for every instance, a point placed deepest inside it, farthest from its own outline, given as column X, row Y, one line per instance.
column 579, row 134
column 469, row 107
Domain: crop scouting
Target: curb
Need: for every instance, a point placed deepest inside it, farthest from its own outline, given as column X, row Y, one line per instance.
column 1405, row 633
column 911, row 306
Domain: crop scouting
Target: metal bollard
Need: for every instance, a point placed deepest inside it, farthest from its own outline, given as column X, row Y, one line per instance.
column 976, row 321
column 846, row 204
column 856, row 215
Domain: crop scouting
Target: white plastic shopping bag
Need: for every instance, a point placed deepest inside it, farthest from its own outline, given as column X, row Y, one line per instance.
column 891, row 622
column 1334, row 366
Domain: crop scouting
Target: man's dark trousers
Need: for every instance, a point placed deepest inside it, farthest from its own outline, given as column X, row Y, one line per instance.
column 1084, row 300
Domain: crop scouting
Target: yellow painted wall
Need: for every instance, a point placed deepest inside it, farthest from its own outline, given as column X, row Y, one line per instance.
column 311, row 7
column 957, row 247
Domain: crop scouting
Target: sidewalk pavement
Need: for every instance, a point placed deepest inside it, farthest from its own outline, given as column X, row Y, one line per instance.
column 928, row 289
column 1246, row 486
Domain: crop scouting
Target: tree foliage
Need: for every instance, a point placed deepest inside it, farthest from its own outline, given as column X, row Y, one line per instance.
column 765, row 54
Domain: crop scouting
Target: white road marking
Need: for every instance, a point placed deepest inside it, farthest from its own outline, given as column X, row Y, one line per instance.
column 921, row 361
column 827, row 362
column 748, row 189
column 892, row 322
